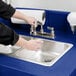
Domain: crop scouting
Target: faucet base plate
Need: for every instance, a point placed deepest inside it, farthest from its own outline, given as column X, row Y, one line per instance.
column 44, row 34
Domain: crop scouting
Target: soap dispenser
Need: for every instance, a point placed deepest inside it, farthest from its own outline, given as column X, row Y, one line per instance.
column 71, row 18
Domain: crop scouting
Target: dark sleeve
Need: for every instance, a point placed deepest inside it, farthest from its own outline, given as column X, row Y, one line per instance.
column 7, row 35
column 6, row 11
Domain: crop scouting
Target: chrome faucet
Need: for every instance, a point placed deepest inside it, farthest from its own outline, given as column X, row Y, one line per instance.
column 33, row 28
column 41, row 33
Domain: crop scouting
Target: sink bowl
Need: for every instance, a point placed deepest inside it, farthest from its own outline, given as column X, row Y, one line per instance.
column 50, row 53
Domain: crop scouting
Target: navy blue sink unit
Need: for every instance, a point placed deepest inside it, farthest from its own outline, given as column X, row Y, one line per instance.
column 65, row 66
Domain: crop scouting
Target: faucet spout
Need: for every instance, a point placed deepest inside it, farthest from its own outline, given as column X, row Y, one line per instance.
column 33, row 28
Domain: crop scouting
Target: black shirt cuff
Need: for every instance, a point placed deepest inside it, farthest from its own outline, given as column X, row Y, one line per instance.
column 15, row 38
column 6, row 11
column 7, row 35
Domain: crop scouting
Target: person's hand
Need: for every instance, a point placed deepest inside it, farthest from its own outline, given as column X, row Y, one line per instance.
column 34, row 44
column 31, row 20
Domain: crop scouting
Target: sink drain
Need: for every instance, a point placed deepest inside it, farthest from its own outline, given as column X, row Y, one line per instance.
column 48, row 60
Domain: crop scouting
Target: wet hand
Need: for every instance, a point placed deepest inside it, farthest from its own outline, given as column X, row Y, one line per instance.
column 34, row 44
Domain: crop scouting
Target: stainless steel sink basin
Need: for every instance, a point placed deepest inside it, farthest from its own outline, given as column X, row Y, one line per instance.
column 50, row 53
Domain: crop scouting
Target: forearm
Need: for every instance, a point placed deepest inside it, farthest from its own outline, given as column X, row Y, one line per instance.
column 28, row 19
column 20, row 15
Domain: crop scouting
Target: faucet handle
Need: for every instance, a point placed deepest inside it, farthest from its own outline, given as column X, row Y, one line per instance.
column 39, row 23
column 52, row 32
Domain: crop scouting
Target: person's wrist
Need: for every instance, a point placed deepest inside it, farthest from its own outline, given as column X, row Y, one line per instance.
column 21, row 42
